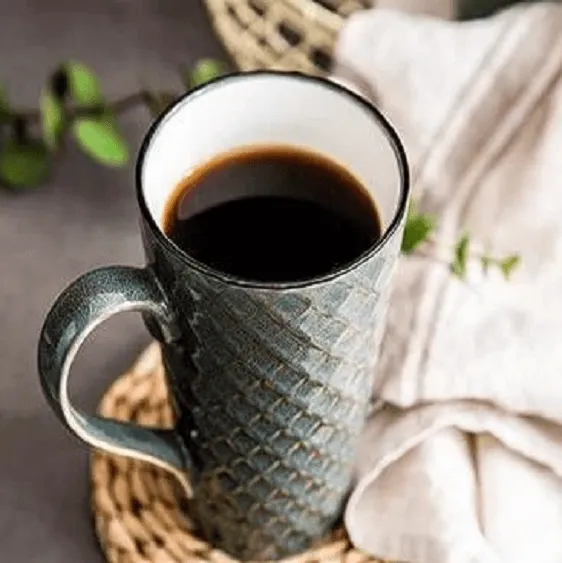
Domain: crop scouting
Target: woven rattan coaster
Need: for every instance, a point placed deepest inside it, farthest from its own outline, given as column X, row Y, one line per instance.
column 281, row 34
column 139, row 511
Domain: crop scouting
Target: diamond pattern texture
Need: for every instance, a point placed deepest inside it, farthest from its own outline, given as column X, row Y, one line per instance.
column 272, row 388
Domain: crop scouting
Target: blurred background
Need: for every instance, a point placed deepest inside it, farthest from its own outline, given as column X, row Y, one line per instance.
column 81, row 217
column 84, row 216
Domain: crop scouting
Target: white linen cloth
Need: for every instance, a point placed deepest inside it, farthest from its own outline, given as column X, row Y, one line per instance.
column 462, row 460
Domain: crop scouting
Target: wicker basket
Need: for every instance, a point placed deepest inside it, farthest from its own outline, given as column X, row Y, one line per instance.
column 281, row 34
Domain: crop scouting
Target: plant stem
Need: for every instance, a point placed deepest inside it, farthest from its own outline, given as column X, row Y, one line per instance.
column 129, row 102
column 122, row 105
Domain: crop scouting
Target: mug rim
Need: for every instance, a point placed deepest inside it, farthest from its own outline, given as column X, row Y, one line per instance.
column 387, row 129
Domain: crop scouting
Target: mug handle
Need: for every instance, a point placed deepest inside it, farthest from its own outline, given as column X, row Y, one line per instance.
column 81, row 307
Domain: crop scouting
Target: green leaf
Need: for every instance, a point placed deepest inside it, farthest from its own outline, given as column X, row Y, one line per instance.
column 460, row 260
column 52, row 118
column 205, row 70
column 508, row 265
column 100, row 138
column 83, row 84
column 23, row 165
column 419, row 226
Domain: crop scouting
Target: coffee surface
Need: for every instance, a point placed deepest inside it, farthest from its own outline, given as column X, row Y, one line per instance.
column 272, row 214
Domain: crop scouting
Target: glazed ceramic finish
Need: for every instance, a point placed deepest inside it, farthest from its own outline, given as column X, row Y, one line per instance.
column 271, row 389
column 270, row 382
column 85, row 304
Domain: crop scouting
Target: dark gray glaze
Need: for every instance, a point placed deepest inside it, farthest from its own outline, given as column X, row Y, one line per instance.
column 270, row 384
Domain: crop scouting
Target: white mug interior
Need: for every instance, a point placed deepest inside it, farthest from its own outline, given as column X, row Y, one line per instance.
column 271, row 108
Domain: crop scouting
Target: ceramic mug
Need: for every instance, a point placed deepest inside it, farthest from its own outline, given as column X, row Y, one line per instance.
column 270, row 381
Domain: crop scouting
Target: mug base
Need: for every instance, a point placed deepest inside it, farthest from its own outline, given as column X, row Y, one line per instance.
column 141, row 513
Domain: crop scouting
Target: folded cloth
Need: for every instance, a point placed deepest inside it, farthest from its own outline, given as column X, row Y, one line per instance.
column 462, row 460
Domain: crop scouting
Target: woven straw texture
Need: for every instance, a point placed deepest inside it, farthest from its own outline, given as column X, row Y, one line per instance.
column 140, row 514
column 281, row 34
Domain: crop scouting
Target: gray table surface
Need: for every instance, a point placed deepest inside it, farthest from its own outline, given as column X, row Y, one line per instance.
column 83, row 218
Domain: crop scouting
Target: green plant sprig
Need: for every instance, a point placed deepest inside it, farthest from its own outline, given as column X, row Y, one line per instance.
column 72, row 107
column 418, row 233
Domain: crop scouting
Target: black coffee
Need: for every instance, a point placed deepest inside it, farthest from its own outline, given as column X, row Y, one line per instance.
column 272, row 214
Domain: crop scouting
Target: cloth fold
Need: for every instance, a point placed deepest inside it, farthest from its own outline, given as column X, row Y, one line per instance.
column 462, row 462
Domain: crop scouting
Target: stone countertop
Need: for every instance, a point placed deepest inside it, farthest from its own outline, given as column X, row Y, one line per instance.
column 83, row 218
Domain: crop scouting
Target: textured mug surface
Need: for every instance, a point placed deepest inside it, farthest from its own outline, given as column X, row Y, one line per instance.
column 271, row 389
column 271, row 383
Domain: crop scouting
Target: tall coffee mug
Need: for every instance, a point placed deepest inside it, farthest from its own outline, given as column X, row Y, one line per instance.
column 270, row 381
